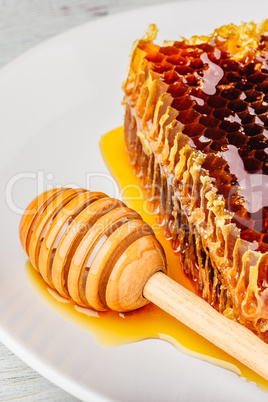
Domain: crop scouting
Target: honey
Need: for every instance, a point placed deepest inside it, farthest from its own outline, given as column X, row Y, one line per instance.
column 222, row 104
column 196, row 131
column 111, row 329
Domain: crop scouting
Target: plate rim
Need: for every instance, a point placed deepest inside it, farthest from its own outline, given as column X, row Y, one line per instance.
column 69, row 384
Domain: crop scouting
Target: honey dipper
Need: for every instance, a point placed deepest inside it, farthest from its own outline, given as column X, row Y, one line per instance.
column 95, row 250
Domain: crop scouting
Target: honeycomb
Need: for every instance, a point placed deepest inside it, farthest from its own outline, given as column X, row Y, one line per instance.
column 196, row 129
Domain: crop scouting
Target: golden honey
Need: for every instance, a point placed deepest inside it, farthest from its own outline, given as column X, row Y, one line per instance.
column 110, row 328
column 196, row 131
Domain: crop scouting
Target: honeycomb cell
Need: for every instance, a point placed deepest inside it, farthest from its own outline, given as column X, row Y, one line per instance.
column 237, row 139
column 265, row 240
column 228, row 65
column 229, row 125
column 252, row 129
column 252, row 165
column 261, row 156
column 253, row 95
column 237, row 105
column 231, row 94
column 217, row 102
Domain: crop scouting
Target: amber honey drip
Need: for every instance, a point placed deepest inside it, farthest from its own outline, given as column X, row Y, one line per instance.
column 112, row 329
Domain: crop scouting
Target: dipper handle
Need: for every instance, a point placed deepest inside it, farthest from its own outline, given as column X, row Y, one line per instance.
column 197, row 314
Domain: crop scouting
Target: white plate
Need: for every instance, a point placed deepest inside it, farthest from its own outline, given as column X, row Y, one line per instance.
column 55, row 103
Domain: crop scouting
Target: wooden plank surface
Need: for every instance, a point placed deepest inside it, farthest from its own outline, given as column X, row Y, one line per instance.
column 20, row 382
column 23, row 24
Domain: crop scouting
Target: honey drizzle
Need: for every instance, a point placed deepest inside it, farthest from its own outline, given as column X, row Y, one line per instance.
column 110, row 328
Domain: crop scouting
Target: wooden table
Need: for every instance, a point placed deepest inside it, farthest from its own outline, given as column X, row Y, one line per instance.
column 23, row 24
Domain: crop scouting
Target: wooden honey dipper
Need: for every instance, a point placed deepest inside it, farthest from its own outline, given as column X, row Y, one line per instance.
column 95, row 250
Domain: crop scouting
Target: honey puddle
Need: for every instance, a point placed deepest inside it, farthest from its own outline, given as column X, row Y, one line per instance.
column 111, row 328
